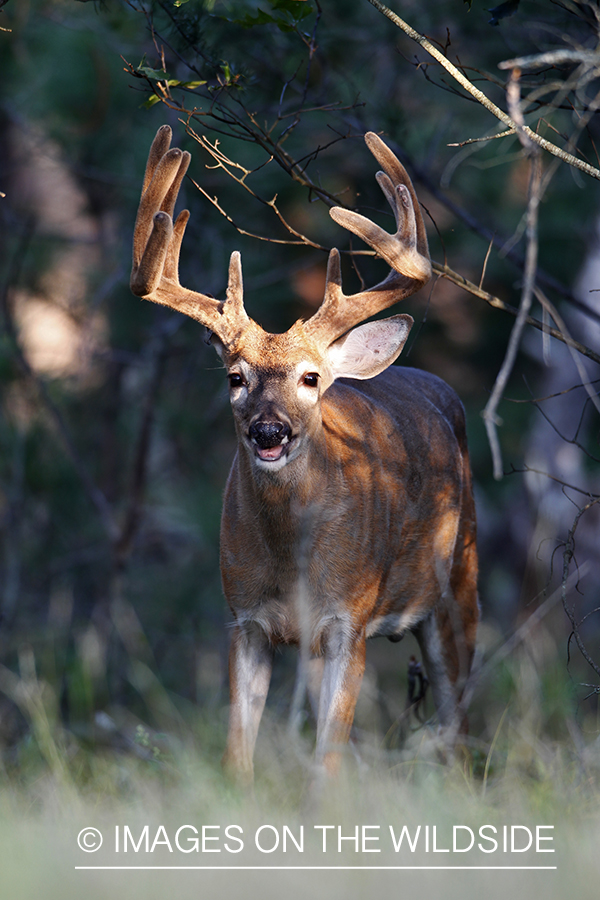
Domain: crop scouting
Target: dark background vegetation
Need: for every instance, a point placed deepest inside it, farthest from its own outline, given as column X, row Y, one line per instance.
column 115, row 432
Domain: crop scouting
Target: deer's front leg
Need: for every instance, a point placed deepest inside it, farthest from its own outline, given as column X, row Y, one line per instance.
column 342, row 677
column 250, row 664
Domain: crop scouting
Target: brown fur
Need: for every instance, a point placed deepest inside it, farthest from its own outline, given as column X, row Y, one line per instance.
column 385, row 515
column 348, row 511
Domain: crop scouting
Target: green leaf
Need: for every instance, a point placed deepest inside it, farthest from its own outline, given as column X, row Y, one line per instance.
column 175, row 82
column 249, row 21
column 170, row 82
column 161, row 75
column 299, row 9
column 230, row 78
column 154, row 74
column 293, row 12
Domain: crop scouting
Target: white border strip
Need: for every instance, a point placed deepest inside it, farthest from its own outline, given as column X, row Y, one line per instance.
column 323, row 868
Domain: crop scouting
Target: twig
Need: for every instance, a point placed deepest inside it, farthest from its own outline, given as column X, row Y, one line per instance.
column 479, row 673
column 92, row 490
column 570, row 611
column 140, row 467
column 480, row 96
column 303, row 240
column 482, row 140
column 565, row 484
column 485, row 262
column 553, row 312
column 499, row 240
column 563, row 437
column 552, row 58
column 489, row 414
column 536, row 400
column 497, row 303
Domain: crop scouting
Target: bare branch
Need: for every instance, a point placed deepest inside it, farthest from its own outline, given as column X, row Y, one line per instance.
column 499, row 240
column 485, row 262
column 497, row 303
column 158, row 353
column 480, row 96
column 568, row 390
column 552, row 58
column 303, row 240
column 485, row 139
column 489, row 414
column 565, row 484
column 553, row 312
column 93, row 492
column 570, row 610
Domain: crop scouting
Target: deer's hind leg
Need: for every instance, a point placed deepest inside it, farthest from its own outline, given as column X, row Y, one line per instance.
column 447, row 635
column 460, row 626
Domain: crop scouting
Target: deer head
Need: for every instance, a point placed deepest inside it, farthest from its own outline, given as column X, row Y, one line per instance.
column 277, row 380
column 347, row 515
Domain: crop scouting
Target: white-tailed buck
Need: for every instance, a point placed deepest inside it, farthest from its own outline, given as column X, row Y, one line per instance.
column 348, row 511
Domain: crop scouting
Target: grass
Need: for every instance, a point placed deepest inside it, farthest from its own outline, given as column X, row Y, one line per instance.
column 533, row 760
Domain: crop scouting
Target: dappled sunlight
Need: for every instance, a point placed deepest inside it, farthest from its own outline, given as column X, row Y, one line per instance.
column 44, row 185
column 54, row 344
column 60, row 335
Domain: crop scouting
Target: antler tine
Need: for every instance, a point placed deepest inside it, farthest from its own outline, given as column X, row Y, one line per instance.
column 157, row 243
column 406, row 252
column 396, row 175
column 158, row 148
column 161, row 166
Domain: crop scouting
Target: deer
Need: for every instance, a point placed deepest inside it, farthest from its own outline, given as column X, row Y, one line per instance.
column 348, row 512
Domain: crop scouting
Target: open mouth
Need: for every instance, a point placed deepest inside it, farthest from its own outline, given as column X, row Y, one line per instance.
column 272, row 454
column 271, row 440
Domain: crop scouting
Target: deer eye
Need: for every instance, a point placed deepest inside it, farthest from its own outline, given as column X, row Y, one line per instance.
column 311, row 379
column 235, row 379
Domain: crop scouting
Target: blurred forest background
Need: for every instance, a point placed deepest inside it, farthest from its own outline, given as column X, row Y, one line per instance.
column 115, row 430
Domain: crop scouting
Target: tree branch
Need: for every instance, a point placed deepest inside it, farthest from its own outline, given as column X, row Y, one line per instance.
column 489, row 414
column 480, row 96
column 459, row 280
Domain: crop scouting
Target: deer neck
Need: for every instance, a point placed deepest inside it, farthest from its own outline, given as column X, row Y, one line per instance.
column 284, row 500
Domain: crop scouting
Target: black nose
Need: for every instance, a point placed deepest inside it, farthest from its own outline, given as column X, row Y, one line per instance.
column 268, row 434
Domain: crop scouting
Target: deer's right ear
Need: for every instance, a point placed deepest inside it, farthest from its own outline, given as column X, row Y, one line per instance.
column 369, row 349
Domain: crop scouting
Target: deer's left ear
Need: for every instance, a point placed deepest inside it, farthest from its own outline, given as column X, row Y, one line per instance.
column 369, row 349
column 214, row 341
